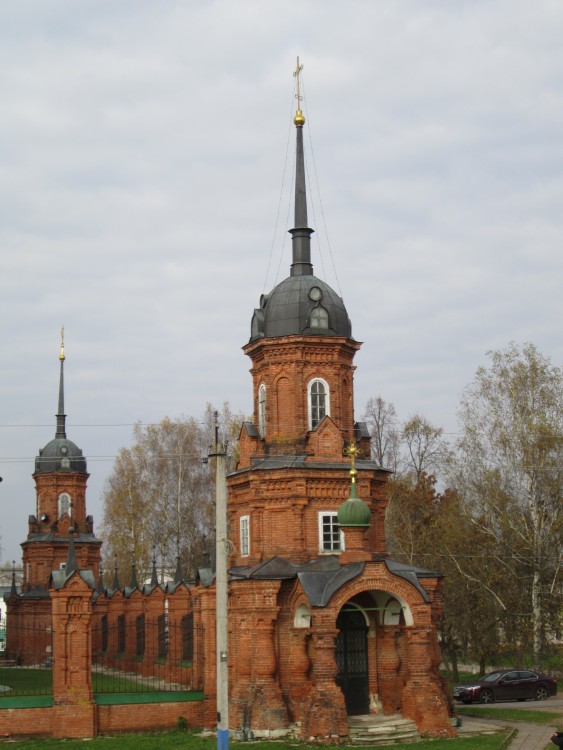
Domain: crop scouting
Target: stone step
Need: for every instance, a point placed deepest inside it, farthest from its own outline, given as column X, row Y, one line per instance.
column 381, row 730
column 385, row 740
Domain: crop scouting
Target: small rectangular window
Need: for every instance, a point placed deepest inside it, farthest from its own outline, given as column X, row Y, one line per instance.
column 330, row 536
column 245, row 536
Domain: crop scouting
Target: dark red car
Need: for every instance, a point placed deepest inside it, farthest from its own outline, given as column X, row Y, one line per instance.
column 507, row 685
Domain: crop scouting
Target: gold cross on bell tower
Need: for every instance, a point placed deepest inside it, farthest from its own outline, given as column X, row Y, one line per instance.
column 299, row 120
column 353, row 451
column 62, row 352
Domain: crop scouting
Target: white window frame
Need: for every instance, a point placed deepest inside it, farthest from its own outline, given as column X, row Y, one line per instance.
column 68, row 504
column 319, row 318
column 244, row 526
column 332, row 546
column 310, row 400
column 262, row 410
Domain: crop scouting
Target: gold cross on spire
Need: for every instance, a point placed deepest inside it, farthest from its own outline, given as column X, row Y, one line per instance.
column 299, row 120
column 353, row 451
column 62, row 353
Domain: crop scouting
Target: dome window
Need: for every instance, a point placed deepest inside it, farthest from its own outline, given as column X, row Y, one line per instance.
column 319, row 402
column 64, row 504
column 319, row 317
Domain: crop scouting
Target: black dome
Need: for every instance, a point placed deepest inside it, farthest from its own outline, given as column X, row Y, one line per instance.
column 60, row 454
column 303, row 305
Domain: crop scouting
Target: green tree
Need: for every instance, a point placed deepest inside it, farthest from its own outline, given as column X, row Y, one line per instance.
column 159, row 498
column 381, row 419
column 509, row 469
column 424, row 448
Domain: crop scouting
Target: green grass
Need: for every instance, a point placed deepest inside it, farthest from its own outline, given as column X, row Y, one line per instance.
column 26, row 681
column 40, row 682
column 106, row 683
column 514, row 714
column 187, row 741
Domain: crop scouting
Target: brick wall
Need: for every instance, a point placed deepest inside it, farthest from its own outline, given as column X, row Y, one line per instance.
column 147, row 716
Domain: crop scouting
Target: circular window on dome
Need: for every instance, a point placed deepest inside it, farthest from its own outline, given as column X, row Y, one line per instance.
column 64, row 450
column 315, row 293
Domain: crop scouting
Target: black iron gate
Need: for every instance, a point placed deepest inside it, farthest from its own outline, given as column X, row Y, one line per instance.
column 352, row 660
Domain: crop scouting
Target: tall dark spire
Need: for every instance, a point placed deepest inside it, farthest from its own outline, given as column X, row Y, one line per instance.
column 14, row 589
column 178, row 575
column 101, row 589
column 61, row 416
column 116, row 584
column 301, row 234
column 134, row 583
column 154, row 574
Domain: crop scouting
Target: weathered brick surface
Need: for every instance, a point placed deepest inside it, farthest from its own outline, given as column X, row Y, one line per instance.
column 147, row 716
column 26, row 722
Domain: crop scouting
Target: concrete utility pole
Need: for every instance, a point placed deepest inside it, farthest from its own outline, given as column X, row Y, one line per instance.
column 221, row 552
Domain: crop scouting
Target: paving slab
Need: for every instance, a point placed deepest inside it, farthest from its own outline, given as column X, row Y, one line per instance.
column 527, row 736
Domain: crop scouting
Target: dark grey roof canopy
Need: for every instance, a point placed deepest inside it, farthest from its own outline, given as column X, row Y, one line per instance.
column 303, row 305
column 60, row 454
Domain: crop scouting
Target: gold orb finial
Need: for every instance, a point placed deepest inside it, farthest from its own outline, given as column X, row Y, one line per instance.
column 299, row 119
column 62, row 352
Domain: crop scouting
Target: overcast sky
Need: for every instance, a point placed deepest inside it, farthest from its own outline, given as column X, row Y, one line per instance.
column 142, row 155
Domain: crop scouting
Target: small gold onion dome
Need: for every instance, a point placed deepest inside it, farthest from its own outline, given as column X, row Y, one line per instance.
column 354, row 512
column 299, row 119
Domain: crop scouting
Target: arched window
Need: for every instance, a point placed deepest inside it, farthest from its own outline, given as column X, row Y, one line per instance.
column 319, row 402
column 262, row 410
column 319, row 317
column 64, row 504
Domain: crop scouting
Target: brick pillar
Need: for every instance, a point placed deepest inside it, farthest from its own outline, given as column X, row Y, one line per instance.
column 268, row 708
column 354, row 543
column 388, row 668
column 324, row 716
column 74, row 708
column 423, row 698
column 299, row 687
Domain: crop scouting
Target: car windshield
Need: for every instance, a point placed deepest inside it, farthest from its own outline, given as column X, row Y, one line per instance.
column 491, row 677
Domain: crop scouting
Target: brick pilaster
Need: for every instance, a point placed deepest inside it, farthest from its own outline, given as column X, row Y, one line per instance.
column 74, row 708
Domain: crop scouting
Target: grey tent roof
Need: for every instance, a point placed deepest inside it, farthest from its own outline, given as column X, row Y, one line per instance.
column 287, row 310
column 60, row 454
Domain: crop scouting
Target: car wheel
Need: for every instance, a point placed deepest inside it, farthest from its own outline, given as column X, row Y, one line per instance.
column 541, row 694
column 487, row 696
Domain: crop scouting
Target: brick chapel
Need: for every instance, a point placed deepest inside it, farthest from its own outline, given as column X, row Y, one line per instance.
column 322, row 624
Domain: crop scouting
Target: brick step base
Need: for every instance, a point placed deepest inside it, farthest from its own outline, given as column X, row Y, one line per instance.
column 381, row 730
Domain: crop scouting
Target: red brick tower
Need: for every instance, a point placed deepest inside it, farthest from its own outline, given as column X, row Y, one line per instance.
column 60, row 483
column 322, row 623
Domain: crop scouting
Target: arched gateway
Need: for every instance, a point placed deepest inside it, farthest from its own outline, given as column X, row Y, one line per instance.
column 322, row 624
column 352, row 659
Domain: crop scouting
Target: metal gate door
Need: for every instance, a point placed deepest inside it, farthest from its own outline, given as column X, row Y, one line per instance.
column 352, row 660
